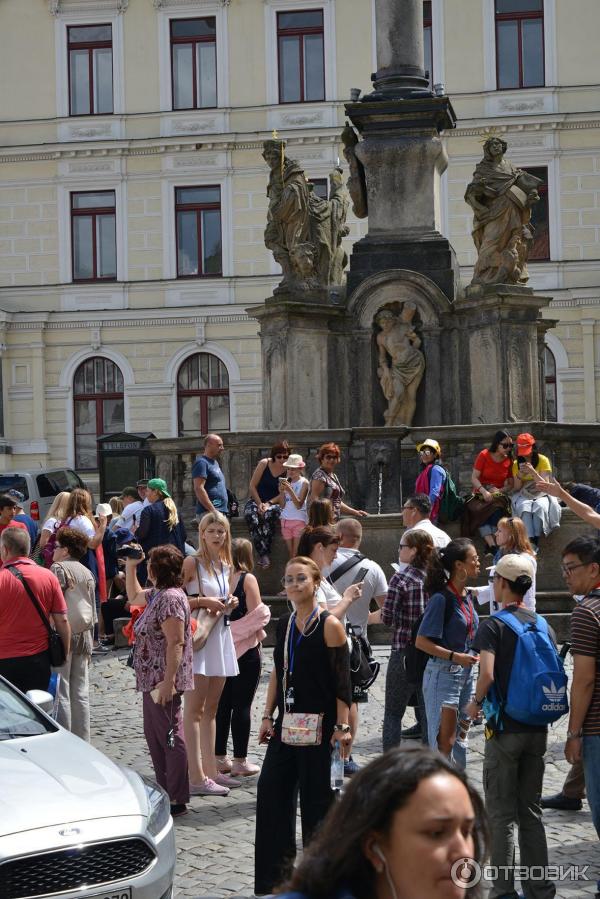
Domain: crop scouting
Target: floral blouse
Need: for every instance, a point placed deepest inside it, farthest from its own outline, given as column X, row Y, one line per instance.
column 333, row 490
column 149, row 658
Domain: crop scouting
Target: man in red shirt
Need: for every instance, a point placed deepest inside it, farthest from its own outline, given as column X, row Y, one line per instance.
column 8, row 508
column 24, row 640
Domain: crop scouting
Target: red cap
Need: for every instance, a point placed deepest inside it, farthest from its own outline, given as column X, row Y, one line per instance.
column 525, row 444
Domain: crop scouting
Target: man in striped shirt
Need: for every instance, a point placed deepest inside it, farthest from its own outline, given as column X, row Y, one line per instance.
column 581, row 570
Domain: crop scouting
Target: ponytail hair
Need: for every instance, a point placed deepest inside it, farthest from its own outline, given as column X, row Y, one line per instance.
column 442, row 563
column 172, row 520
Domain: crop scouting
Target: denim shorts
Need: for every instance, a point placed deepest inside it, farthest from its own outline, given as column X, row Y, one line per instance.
column 447, row 685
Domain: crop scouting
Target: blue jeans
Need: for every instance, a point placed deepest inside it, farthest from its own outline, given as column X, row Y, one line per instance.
column 447, row 685
column 591, row 767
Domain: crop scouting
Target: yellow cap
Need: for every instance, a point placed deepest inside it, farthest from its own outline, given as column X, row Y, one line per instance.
column 431, row 443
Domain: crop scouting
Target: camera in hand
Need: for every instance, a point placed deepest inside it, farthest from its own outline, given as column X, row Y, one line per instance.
column 130, row 551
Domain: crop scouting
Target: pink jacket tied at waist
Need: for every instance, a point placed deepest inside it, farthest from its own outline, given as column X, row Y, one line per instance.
column 247, row 632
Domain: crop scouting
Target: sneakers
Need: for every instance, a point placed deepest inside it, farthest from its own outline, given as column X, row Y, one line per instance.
column 350, row 767
column 224, row 780
column 178, row 809
column 208, row 787
column 223, row 764
column 562, row 802
column 244, row 768
column 264, row 561
column 412, row 733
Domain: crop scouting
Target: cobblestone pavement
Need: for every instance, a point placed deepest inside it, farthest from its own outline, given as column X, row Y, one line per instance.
column 215, row 840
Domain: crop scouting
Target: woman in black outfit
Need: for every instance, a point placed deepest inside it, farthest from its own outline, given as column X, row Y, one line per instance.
column 262, row 511
column 248, row 621
column 317, row 680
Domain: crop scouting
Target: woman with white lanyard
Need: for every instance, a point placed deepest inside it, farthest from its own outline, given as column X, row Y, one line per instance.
column 206, row 581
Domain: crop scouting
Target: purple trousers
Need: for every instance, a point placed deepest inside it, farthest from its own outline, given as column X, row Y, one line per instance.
column 170, row 765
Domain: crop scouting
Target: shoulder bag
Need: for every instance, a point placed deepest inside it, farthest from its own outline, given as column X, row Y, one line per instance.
column 55, row 643
column 205, row 620
column 298, row 728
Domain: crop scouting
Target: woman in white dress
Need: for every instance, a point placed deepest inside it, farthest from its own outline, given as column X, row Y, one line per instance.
column 206, row 581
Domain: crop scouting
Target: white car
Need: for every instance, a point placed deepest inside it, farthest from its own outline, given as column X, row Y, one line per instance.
column 73, row 823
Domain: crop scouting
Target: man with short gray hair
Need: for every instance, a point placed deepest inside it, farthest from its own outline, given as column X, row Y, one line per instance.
column 24, row 639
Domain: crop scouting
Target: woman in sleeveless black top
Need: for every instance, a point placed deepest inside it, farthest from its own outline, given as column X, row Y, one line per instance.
column 235, row 705
column 262, row 511
column 318, row 680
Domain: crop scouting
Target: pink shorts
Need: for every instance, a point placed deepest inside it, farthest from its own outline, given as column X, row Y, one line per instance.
column 292, row 527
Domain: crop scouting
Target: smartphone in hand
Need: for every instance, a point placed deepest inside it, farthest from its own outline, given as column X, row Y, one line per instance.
column 361, row 575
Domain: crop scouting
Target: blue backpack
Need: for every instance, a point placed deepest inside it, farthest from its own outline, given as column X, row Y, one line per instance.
column 537, row 688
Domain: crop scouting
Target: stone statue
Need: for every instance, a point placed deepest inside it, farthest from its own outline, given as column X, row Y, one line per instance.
column 304, row 232
column 401, row 363
column 357, row 182
column 501, row 197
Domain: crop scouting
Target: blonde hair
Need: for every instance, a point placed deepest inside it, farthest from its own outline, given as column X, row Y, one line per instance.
column 519, row 541
column 225, row 551
column 241, row 551
column 58, row 509
column 172, row 518
column 116, row 505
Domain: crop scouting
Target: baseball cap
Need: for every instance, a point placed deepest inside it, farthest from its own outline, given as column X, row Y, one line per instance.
column 514, row 565
column 525, row 444
column 159, row 484
column 16, row 495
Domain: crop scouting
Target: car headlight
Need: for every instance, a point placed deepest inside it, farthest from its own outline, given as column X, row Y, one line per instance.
column 159, row 805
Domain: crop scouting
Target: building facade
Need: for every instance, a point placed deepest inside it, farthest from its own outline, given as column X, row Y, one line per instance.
column 133, row 203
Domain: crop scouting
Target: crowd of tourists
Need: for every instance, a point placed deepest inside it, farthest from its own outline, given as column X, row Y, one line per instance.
column 197, row 623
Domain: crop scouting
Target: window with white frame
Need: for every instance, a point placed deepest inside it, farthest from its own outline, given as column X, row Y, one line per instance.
column 202, row 396
column 300, row 54
column 519, row 43
column 93, row 236
column 98, row 407
column 198, row 231
column 90, row 62
column 194, row 63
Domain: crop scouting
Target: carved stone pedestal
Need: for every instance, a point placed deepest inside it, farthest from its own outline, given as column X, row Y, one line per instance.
column 296, row 365
column 500, row 339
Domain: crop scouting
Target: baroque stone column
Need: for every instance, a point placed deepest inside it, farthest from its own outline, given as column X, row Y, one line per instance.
column 403, row 157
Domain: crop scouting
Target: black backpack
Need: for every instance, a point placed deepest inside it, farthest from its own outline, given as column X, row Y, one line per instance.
column 415, row 659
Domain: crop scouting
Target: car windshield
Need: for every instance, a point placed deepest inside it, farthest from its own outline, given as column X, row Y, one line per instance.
column 14, row 482
column 17, row 717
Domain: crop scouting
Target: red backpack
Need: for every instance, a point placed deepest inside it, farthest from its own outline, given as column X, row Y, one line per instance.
column 48, row 550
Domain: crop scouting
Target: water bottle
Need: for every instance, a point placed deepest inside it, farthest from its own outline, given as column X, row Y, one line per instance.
column 337, row 769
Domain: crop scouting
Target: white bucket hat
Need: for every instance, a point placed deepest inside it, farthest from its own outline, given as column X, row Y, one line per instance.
column 294, row 460
column 103, row 509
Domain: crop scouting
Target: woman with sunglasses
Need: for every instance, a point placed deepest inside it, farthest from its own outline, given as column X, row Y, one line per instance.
column 492, row 482
column 432, row 478
column 262, row 511
column 310, row 676
column 325, row 483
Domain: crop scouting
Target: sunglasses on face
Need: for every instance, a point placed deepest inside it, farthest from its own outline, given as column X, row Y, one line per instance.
column 282, row 455
column 330, row 456
column 507, row 445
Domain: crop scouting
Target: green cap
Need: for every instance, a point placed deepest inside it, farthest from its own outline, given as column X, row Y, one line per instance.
column 159, row 484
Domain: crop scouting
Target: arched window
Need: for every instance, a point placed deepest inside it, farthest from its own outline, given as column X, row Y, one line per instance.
column 99, row 407
column 550, row 395
column 202, row 396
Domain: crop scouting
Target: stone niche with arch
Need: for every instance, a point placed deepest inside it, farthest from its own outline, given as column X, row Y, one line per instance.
column 356, row 349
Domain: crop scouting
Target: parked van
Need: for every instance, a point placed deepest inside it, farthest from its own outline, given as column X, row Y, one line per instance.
column 40, row 487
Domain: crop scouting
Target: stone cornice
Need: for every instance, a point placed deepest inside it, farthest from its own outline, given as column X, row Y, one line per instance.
column 70, row 323
column 75, row 7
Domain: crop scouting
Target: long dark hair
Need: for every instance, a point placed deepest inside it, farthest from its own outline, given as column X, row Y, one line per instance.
column 336, row 857
column 499, row 437
column 422, row 542
column 311, row 536
column 442, row 562
column 534, row 458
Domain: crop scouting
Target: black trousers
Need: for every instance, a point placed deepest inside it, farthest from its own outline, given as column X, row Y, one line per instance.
column 111, row 609
column 235, row 705
column 288, row 773
column 27, row 672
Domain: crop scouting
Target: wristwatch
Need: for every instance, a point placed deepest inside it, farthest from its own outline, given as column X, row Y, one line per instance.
column 574, row 734
column 344, row 728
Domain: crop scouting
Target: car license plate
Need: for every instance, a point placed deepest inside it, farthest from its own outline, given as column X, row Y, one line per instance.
column 123, row 893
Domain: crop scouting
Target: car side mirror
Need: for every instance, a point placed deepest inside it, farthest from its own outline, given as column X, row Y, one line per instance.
column 41, row 698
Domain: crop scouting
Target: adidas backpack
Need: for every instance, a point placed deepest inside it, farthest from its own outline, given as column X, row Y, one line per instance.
column 537, row 688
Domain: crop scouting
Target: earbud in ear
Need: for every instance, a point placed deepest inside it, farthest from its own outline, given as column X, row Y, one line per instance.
column 379, row 853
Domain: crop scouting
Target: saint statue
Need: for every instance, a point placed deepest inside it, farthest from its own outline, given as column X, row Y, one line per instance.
column 304, row 231
column 501, row 197
column 401, row 363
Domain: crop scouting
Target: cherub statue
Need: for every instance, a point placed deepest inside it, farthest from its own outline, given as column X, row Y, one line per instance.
column 401, row 363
